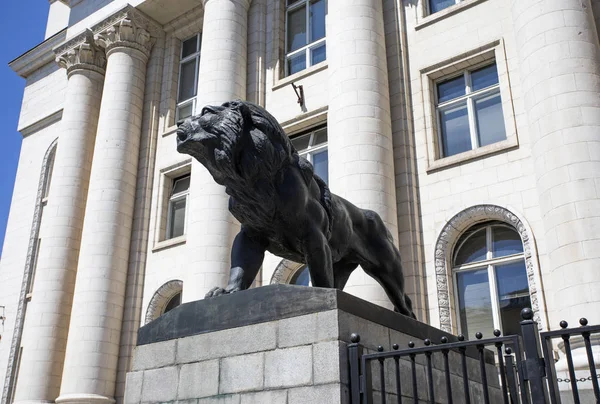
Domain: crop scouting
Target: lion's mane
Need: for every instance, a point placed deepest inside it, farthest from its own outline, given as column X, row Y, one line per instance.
column 254, row 150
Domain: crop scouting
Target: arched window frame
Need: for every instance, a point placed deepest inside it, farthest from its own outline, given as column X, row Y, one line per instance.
column 445, row 245
column 490, row 263
column 29, row 272
column 161, row 299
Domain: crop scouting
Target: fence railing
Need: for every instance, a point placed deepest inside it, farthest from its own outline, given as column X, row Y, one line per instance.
column 512, row 369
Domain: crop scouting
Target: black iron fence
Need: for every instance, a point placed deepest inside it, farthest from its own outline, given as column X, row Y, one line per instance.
column 513, row 369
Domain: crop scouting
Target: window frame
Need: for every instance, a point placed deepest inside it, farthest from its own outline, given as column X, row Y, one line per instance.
column 175, row 198
column 470, row 97
column 308, row 48
column 311, row 149
column 429, row 12
column 490, row 264
column 426, row 126
column 182, row 61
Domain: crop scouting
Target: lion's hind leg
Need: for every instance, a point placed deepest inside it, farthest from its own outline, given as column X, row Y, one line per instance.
column 381, row 260
column 341, row 273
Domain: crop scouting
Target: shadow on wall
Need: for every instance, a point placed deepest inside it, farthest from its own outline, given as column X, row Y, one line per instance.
column 85, row 8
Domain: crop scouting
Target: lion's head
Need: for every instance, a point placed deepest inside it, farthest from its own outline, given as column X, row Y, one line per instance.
column 237, row 142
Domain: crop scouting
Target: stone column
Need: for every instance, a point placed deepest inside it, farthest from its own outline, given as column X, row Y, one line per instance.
column 93, row 345
column 559, row 57
column 361, row 163
column 50, row 308
column 222, row 78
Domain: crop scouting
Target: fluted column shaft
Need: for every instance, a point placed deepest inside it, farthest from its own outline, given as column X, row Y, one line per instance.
column 93, row 346
column 559, row 56
column 361, row 162
column 222, row 78
column 50, row 308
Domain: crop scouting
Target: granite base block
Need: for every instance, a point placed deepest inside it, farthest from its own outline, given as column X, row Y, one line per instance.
column 278, row 344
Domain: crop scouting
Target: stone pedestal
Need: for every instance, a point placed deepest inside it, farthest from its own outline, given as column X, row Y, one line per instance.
column 275, row 344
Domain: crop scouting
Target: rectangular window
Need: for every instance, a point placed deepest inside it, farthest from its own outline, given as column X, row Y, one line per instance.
column 177, row 210
column 469, row 111
column 313, row 147
column 305, row 34
column 439, row 5
column 188, row 77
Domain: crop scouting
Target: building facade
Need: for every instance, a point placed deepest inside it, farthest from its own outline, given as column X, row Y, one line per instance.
column 471, row 126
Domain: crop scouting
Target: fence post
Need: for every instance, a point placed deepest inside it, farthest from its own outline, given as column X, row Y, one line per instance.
column 533, row 367
column 355, row 352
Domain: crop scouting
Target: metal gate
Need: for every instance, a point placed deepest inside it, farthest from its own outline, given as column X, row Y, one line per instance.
column 513, row 369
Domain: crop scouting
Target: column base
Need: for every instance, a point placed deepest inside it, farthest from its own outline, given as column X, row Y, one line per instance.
column 84, row 399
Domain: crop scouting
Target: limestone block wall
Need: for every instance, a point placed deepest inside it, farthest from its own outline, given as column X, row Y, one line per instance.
column 439, row 45
column 44, row 94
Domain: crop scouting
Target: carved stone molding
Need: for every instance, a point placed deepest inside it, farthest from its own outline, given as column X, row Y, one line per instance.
column 161, row 298
column 28, row 272
column 86, row 55
column 285, row 271
column 445, row 244
column 128, row 26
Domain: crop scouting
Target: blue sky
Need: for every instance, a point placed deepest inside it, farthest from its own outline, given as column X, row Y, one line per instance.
column 23, row 25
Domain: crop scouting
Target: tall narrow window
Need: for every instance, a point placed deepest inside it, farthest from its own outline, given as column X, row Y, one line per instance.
column 177, row 210
column 188, row 77
column 313, row 147
column 469, row 111
column 305, row 34
column 490, row 279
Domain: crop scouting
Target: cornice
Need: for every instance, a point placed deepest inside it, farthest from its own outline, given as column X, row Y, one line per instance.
column 37, row 57
column 137, row 18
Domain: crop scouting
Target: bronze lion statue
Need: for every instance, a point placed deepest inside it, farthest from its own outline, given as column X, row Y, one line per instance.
column 284, row 207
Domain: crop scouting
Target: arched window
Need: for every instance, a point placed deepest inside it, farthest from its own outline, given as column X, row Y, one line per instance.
column 490, row 279
column 165, row 299
column 301, row 277
column 174, row 302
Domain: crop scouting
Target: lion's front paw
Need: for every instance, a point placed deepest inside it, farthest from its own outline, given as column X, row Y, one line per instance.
column 218, row 291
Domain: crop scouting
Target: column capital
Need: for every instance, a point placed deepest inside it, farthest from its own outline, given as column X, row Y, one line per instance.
column 86, row 55
column 127, row 32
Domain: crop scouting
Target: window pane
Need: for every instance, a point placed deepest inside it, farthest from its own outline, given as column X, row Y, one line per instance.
column 473, row 249
column 318, row 10
column 438, row 5
column 189, row 47
column 505, row 241
column 297, row 63
column 451, row 89
column 318, row 54
column 513, row 292
column 181, row 184
column 484, row 77
column 302, row 277
column 296, row 35
column 187, row 80
column 475, row 303
column 320, row 137
column 174, row 302
column 177, row 221
column 321, row 165
column 456, row 135
column 301, row 142
column 490, row 120
column 185, row 111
